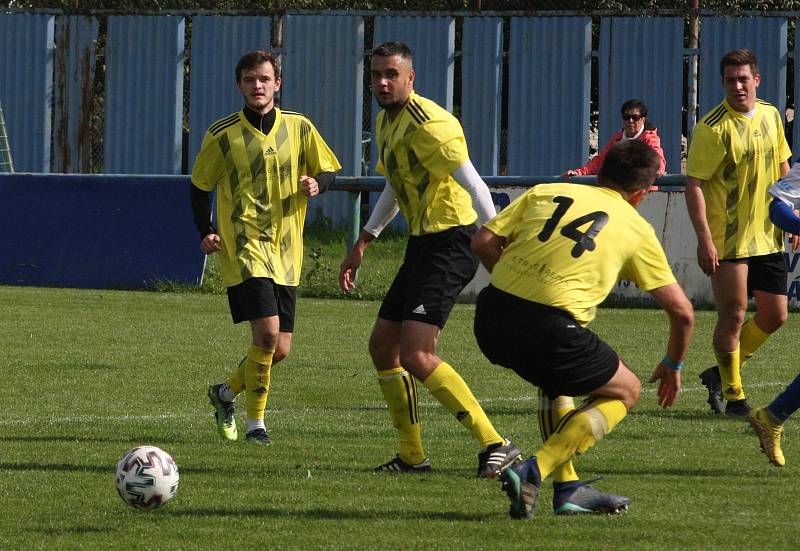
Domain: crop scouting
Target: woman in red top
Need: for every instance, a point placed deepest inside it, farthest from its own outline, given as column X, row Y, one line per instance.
column 635, row 126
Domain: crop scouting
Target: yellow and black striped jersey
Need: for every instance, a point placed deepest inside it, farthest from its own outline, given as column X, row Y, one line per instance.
column 739, row 158
column 417, row 153
column 261, row 207
column 567, row 245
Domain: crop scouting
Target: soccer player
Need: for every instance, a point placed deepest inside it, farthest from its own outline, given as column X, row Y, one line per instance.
column 554, row 254
column 264, row 163
column 738, row 149
column 768, row 421
column 430, row 179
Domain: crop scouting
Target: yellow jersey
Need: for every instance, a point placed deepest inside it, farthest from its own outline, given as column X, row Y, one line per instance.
column 567, row 245
column 261, row 207
column 417, row 153
column 739, row 158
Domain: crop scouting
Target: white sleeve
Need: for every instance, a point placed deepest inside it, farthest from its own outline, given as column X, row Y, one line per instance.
column 384, row 212
column 787, row 189
column 470, row 180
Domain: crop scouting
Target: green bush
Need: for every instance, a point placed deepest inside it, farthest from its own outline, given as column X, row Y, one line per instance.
column 325, row 248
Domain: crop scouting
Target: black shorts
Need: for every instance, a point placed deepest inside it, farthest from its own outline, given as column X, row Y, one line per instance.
column 435, row 269
column 543, row 345
column 766, row 273
column 260, row 297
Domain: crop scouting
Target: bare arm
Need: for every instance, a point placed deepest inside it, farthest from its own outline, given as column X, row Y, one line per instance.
column 707, row 255
column 351, row 263
column 681, row 326
column 488, row 247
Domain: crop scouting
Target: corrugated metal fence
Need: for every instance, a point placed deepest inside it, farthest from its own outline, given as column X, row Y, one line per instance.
column 521, row 85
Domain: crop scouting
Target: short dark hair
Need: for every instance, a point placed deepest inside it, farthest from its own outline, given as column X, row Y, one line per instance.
column 634, row 104
column 253, row 59
column 737, row 58
column 631, row 165
column 388, row 49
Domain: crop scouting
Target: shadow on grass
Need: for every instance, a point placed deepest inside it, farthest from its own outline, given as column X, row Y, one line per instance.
column 106, row 469
column 683, row 473
column 71, row 530
column 109, row 469
column 130, row 441
column 57, row 467
column 88, row 366
column 523, row 408
column 332, row 514
column 490, row 409
column 691, row 415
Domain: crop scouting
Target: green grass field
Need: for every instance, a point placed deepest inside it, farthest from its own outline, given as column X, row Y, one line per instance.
column 90, row 374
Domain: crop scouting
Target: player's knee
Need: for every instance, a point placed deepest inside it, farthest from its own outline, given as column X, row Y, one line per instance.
column 775, row 321
column 410, row 359
column 281, row 352
column 267, row 340
column 731, row 322
column 634, row 390
column 377, row 348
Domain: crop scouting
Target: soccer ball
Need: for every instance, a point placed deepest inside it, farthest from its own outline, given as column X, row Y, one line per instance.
column 146, row 477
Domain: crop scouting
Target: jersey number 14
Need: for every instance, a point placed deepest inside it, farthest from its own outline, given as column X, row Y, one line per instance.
column 584, row 240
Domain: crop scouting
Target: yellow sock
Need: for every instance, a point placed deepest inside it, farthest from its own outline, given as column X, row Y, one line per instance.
column 256, row 373
column 400, row 393
column 578, row 431
column 449, row 388
column 728, row 363
column 236, row 382
column 550, row 413
column 750, row 339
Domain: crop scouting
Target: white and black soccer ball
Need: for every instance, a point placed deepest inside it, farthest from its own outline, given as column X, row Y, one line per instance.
column 146, row 477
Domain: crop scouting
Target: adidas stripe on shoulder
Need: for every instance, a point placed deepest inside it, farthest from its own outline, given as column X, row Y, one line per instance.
column 417, row 112
column 223, row 123
column 715, row 115
column 293, row 113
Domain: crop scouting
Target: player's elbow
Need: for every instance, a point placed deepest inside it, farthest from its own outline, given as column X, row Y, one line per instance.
column 684, row 314
column 681, row 319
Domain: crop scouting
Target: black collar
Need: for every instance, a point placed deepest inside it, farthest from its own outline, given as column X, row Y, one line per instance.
column 263, row 122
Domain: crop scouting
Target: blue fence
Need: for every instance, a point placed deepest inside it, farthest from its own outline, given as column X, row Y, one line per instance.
column 525, row 106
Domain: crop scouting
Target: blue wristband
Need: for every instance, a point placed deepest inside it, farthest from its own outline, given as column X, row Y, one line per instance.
column 672, row 365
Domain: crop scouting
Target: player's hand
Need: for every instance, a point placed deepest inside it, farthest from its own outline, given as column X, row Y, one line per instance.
column 707, row 258
column 210, row 243
column 310, row 186
column 569, row 174
column 669, row 387
column 348, row 269
column 794, row 239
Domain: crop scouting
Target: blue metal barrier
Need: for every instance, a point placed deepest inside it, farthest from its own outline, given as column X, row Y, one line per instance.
column 125, row 231
column 98, row 231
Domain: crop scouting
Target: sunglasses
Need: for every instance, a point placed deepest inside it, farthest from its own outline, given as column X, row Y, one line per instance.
column 631, row 117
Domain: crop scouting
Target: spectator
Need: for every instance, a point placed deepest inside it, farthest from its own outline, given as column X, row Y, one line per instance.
column 634, row 127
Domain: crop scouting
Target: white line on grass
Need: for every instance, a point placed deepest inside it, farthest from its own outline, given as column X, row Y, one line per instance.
column 650, row 389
